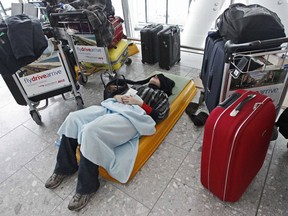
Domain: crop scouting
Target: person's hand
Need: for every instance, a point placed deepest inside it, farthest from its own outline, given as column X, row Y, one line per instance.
column 119, row 98
column 131, row 100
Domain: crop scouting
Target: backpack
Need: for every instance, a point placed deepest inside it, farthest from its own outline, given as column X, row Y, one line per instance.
column 109, row 9
column 244, row 23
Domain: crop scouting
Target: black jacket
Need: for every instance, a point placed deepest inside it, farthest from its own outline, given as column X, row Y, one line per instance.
column 22, row 41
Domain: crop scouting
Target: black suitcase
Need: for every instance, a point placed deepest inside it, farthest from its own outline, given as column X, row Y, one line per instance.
column 169, row 47
column 149, row 43
column 212, row 38
column 212, row 69
column 12, row 86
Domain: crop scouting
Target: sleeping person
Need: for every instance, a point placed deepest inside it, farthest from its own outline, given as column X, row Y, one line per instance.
column 109, row 136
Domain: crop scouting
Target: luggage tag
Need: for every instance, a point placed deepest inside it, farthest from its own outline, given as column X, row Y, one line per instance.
column 239, row 67
column 235, row 73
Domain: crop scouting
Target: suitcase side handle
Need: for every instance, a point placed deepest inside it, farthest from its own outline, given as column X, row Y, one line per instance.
column 228, row 101
column 241, row 104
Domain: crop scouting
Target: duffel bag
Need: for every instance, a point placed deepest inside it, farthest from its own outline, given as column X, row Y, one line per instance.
column 243, row 23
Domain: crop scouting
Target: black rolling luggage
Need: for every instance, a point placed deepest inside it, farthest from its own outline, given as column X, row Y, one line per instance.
column 212, row 69
column 212, row 38
column 169, row 47
column 149, row 43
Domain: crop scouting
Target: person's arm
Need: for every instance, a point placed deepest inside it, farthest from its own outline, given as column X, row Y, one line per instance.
column 135, row 101
column 158, row 112
column 161, row 110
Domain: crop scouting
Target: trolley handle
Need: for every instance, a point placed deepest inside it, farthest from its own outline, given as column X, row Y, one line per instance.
column 68, row 14
column 230, row 47
column 56, row 18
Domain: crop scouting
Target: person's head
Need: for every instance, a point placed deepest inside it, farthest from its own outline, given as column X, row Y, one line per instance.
column 163, row 83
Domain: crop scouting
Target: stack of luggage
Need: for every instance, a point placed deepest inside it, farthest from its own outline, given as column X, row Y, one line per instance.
column 161, row 45
column 239, row 24
column 238, row 130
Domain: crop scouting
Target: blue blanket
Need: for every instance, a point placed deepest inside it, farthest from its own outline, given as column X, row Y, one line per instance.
column 109, row 135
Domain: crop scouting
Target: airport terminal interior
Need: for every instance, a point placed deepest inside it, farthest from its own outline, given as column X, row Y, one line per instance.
column 167, row 184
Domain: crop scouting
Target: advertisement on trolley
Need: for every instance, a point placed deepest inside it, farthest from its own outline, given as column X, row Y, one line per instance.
column 268, row 82
column 91, row 54
column 43, row 81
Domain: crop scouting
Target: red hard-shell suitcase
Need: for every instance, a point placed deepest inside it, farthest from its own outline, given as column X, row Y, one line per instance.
column 236, row 139
column 118, row 30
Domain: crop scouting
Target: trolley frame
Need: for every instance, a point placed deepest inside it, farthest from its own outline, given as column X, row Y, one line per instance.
column 62, row 22
column 261, row 53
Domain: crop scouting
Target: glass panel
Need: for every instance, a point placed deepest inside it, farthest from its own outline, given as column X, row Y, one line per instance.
column 7, row 4
column 139, row 7
column 177, row 11
column 118, row 8
column 156, row 11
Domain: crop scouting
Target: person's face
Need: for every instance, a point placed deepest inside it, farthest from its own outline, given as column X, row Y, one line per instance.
column 155, row 81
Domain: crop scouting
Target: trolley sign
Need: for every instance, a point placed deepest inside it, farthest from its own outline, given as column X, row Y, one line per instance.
column 45, row 81
column 91, row 54
column 268, row 82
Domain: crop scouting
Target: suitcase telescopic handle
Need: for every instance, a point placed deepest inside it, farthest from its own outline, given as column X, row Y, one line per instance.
column 241, row 104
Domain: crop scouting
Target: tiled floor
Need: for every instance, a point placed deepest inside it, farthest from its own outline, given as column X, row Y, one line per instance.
column 168, row 184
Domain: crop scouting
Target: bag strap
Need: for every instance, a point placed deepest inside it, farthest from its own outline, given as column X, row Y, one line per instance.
column 131, row 82
column 140, row 82
column 111, row 78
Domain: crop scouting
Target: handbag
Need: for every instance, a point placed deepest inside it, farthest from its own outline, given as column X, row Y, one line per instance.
column 116, row 85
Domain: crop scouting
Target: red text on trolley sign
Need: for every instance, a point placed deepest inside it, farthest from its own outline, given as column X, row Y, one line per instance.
column 38, row 77
column 89, row 49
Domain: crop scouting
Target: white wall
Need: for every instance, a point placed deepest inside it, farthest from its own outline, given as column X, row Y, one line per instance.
column 278, row 6
column 203, row 13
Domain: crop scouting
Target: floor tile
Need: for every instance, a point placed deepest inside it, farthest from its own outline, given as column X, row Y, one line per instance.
column 189, row 172
column 274, row 200
column 108, row 200
column 23, row 194
column 150, row 182
column 181, row 200
column 18, row 148
column 12, row 115
column 43, row 165
column 184, row 133
column 5, row 93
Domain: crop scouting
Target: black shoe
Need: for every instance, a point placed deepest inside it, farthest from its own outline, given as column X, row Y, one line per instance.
column 199, row 119
column 79, row 201
column 191, row 108
column 54, row 181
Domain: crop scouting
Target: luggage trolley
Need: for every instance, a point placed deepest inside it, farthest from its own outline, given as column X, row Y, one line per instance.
column 260, row 66
column 42, row 79
column 89, row 57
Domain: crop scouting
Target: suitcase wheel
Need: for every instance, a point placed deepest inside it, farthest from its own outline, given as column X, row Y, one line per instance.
column 274, row 133
column 82, row 79
column 128, row 61
column 36, row 117
column 79, row 102
column 168, row 68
